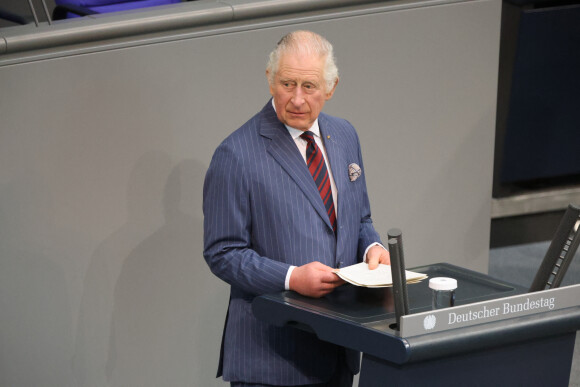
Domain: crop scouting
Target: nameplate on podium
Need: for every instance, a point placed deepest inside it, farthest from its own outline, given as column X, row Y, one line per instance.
column 490, row 311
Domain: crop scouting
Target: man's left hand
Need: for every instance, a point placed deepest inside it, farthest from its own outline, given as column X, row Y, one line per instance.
column 376, row 255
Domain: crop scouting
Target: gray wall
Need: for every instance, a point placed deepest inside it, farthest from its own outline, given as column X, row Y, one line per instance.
column 103, row 154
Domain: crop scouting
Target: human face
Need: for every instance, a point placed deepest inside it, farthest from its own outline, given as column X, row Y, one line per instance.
column 299, row 89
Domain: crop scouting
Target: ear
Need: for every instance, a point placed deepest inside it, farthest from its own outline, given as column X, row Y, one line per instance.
column 330, row 93
column 269, row 84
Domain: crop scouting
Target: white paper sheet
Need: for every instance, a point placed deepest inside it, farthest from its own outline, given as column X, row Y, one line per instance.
column 360, row 275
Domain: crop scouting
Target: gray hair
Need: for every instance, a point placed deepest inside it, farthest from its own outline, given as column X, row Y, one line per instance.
column 309, row 43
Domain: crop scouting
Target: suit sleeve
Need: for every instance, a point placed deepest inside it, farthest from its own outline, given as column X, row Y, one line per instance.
column 227, row 228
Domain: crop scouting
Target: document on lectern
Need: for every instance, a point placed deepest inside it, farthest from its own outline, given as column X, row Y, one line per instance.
column 360, row 275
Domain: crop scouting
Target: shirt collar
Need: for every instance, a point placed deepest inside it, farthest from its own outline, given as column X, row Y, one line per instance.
column 295, row 133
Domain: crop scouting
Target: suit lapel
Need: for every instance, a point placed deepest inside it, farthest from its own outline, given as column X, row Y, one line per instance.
column 335, row 154
column 283, row 149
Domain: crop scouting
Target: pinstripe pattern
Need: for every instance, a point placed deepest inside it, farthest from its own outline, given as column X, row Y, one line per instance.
column 263, row 213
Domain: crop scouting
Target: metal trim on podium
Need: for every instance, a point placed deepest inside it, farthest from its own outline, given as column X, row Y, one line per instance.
column 498, row 335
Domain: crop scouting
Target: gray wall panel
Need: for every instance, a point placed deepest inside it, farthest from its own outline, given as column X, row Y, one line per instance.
column 102, row 159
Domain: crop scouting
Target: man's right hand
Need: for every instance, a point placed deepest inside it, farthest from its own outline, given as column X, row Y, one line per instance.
column 314, row 279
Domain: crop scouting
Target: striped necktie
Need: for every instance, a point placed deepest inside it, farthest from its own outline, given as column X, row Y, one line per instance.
column 317, row 168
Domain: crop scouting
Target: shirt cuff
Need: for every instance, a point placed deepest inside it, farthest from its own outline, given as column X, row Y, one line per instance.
column 287, row 281
column 367, row 250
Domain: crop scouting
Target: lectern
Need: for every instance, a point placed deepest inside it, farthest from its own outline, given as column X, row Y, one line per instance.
column 496, row 335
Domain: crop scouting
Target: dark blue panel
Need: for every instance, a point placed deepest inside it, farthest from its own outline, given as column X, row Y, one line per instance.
column 542, row 138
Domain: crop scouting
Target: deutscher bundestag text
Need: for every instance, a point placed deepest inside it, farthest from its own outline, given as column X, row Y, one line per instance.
column 505, row 309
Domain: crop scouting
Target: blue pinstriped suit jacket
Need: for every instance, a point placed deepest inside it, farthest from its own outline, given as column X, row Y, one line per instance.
column 263, row 213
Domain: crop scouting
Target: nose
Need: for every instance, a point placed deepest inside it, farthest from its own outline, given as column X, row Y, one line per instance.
column 298, row 97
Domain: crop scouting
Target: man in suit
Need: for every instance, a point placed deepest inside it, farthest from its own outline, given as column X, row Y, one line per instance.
column 285, row 204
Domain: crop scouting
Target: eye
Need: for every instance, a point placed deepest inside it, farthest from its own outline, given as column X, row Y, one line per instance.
column 287, row 84
column 309, row 87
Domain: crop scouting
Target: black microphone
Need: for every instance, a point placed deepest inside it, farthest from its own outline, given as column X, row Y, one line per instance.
column 398, row 274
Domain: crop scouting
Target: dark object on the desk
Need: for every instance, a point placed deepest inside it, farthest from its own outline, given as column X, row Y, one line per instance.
column 560, row 253
column 398, row 274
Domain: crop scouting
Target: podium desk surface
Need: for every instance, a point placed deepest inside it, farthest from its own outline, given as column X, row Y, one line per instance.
column 363, row 318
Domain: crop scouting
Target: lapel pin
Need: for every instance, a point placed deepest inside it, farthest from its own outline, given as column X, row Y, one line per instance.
column 353, row 171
